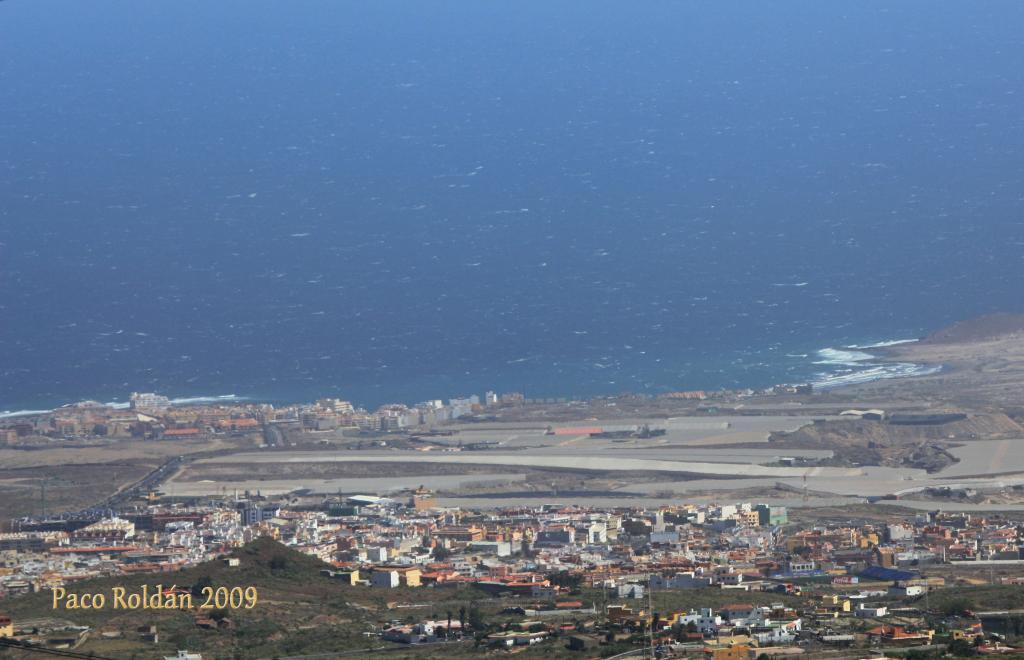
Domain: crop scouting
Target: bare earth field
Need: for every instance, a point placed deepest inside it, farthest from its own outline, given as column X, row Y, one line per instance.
column 520, row 465
column 66, row 486
column 110, row 453
column 382, row 485
column 78, row 477
column 721, row 477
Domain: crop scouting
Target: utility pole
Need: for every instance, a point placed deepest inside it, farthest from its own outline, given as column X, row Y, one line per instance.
column 650, row 613
column 604, row 600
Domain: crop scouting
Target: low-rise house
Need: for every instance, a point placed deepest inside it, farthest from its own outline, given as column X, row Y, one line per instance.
column 687, row 580
column 900, row 636
column 868, row 611
column 740, row 611
column 704, row 621
column 393, row 576
column 904, row 591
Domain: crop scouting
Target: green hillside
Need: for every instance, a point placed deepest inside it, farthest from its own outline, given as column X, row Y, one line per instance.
column 298, row 612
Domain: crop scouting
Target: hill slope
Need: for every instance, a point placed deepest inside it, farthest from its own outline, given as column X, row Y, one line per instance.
column 299, row 611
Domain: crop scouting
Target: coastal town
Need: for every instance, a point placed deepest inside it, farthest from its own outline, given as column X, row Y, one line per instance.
column 710, row 576
column 736, row 580
column 464, row 330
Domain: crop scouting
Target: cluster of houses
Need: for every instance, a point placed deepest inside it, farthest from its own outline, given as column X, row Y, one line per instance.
column 544, row 557
column 152, row 416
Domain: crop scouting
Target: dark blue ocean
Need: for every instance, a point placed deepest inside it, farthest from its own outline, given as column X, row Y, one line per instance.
column 396, row 200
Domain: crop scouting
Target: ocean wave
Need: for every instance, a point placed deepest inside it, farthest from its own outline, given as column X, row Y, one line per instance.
column 124, row 405
column 223, row 398
column 883, row 344
column 839, row 356
column 7, row 414
column 185, row 401
column 852, row 364
column 873, row 372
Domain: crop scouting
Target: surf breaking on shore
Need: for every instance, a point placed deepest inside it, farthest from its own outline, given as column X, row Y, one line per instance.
column 123, row 405
column 852, row 365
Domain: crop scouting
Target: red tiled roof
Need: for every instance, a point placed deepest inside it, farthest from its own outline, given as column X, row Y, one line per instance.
column 182, row 432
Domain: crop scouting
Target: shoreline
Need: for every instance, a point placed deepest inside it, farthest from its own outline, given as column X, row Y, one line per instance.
column 855, row 368
column 849, row 368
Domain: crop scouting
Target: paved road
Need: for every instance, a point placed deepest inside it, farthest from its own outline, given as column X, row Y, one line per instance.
column 148, row 483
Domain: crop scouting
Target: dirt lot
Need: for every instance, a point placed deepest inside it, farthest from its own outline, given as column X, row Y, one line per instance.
column 114, row 451
column 68, row 487
column 77, row 477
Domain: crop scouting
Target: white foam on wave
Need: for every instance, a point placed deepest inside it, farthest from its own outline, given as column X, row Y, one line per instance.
column 874, row 372
column 223, row 398
column 123, row 405
column 186, row 401
column 852, row 365
column 7, row 414
column 883, row 344
column 839, row 356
